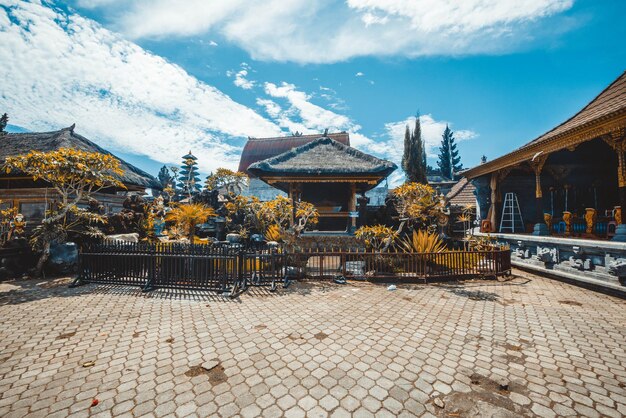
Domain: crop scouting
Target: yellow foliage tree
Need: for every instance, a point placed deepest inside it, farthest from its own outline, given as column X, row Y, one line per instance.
column 233, row 182
column 376, row 237
column 75, row 175
column 187, row 216
column 417, row 204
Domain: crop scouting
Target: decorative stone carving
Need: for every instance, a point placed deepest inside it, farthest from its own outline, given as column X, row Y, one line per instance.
column 579, row 260
column 590, row 219
column 547, row 255
column 521, row 251
column 618, row 268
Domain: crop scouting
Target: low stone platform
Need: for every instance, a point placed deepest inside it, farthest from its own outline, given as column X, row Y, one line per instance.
column 589, row 262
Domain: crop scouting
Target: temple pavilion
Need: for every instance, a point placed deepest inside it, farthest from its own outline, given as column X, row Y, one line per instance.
column 326, row 172
column 570, row 181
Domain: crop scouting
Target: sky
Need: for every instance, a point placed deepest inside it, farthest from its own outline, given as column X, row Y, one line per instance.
column 151, row 80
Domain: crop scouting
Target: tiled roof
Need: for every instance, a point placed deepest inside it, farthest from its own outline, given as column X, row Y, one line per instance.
column 612, row 99
column 258, row 149
column 462, row 194
column 609, row 105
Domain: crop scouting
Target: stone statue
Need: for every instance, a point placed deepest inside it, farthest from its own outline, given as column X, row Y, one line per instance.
column 17, row 226
column 590, row 218
column 158, row 212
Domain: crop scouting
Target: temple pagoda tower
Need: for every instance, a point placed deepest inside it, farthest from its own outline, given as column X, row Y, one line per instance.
column 188, row 178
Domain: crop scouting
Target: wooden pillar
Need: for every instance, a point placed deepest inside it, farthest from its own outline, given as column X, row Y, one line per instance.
column 537, row 166
column 496, row 178
column 493, row 217
column 537, row 163
column 352, row 204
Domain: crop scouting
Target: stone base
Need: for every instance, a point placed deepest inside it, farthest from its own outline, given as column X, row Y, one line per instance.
column 541, row 229
column 620, row 233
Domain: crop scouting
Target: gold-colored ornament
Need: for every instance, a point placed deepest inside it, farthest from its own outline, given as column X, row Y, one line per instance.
column 548, row 220
column 617, row 214
column 567, row 218
column 590, row 219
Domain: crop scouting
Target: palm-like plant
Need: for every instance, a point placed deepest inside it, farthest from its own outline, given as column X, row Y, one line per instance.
column 424, row 242
column 187, row 216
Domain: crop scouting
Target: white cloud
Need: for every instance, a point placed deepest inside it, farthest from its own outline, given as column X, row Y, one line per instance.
column 60, row 68
column 359, row 74
column 274, row 29
column 242, row 81
column 314, row 118
column 372, row 19
column 212, row 43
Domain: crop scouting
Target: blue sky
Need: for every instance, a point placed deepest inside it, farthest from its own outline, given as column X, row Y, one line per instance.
column 152, row 79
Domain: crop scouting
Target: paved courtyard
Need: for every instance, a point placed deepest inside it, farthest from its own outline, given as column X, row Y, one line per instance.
column 525, row 347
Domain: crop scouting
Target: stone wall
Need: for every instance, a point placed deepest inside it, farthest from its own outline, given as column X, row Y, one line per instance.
column 594, row 262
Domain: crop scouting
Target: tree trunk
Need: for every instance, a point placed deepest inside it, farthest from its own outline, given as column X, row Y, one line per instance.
column 45, row 254
column 192, row 230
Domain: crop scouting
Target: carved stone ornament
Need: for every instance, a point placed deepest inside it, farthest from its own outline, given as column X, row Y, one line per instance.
column 547, row 255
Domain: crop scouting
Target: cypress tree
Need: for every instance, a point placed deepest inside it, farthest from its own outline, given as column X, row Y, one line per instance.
column 407, row 150
column 4, row 121
column 449, row 159
column 414, row 158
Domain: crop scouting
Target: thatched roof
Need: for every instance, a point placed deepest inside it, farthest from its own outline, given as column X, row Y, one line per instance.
column 323, row 156
column 603, row 114
column 12, row 144
column 258, row 149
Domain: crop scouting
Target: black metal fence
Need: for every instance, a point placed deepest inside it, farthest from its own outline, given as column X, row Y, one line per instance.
column 234, row 268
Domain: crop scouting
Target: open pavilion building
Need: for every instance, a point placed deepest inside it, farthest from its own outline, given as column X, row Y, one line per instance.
column 327, row 173
column 569, row 185
column 561, row 177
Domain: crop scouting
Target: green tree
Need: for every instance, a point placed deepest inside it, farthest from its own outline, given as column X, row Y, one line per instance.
column 449, row 159
column 4, row 121
column 414, row 158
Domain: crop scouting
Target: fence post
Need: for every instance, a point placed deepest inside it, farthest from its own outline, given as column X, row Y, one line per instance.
column 151, row 269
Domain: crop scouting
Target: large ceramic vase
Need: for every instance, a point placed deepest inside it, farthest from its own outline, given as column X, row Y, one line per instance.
column 567, row 218
column 548, row 220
